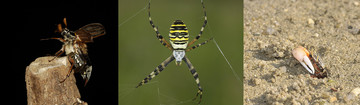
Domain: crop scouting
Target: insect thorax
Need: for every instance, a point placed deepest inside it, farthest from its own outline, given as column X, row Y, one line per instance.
column 179, row 35
column 69, row 47
column 69, row 44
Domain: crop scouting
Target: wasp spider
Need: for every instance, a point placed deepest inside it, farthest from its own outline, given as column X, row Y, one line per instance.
column 179, row 37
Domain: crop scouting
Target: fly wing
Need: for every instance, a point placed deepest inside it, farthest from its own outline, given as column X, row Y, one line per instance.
column 90, row 31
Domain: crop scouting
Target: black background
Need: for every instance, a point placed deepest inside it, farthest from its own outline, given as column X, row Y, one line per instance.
column 38, row 20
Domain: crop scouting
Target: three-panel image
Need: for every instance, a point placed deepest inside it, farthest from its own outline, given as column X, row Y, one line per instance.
column 187, row 52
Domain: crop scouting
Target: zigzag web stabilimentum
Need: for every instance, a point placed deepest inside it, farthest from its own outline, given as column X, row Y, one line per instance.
column 127, row 90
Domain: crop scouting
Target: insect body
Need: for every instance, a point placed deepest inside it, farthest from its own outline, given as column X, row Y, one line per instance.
column 310, row 62
column 179, row 44
column 74, row 46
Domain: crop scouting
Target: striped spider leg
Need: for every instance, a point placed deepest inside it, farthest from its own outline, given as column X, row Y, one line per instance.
column 157, row 70
column 202, row 28
column 179, row 37
column 196, row 77
column 158, row 35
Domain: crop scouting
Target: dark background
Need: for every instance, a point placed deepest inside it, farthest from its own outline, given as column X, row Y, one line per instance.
column 38, row 20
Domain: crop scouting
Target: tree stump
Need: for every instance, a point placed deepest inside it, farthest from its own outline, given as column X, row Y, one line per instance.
column 43, row 82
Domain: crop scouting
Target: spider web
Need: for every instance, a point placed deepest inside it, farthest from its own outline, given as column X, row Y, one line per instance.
column 155, row 90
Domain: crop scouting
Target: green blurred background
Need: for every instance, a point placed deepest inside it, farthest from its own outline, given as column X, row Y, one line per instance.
column 140, row 52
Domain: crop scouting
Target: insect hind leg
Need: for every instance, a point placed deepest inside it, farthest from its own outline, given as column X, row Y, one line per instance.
column 70, row 69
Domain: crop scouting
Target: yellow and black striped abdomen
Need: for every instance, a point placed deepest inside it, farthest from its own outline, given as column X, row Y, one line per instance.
column 179, row 35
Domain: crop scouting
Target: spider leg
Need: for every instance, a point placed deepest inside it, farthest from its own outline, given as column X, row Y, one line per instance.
column 157, row 70
column 158, row 35
column 198, row 45
column 202, row 28
column 196, row 77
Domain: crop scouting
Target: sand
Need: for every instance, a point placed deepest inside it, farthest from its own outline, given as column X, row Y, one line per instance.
column 273, row 28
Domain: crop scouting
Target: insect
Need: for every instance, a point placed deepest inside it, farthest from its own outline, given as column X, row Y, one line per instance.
column 74, row 46
column 179, row 37
column 310, row 61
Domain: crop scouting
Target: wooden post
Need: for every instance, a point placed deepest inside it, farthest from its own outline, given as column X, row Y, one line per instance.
column 43, row 82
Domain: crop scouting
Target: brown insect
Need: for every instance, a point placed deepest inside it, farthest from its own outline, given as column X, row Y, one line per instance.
column 74, row 46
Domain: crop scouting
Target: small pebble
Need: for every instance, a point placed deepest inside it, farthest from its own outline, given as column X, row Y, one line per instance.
column 270, row 31
column 256, row 34
column 247, row 24
column 356, row 3
column 283, row 69
column 313, row 82
column 355, row 92
column 262, row 45
column 291, row 37
column 291, row 76
column 316, row 35
column 280, row 54
column 276, row 23
column 311, row 22
column 295, row 86
column 256, row 81
column 262, row 65
column 281, row 98
column 294, row 102
column 284, row 88
column 273, row 80
column 285, row 10
column 308, row 97
column 278, row 103
column 332, row 99
column 325, row 95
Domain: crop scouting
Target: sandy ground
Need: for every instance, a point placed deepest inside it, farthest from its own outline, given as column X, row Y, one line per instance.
column 273, row 28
